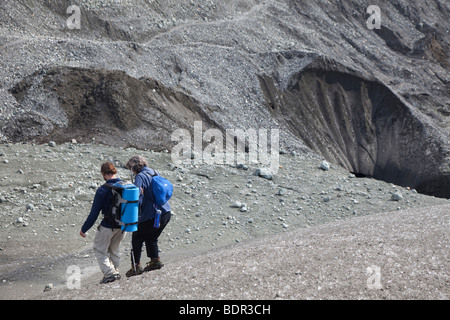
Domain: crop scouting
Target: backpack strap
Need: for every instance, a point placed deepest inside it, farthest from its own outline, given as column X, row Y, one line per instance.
column 113, row 219
column 111, row 216
column 107, row 185
column 152, row 175
column 151, row 193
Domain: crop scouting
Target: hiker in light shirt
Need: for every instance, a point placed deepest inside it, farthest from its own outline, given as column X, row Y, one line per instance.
column 109, row 234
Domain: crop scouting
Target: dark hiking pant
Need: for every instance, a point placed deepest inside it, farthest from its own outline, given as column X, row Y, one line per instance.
column 149, row 235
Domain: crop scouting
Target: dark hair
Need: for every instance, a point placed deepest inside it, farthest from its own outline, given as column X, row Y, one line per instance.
column 136, row 163
column 108, row 168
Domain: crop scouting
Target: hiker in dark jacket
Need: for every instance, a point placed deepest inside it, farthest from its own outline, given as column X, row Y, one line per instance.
column 146, row 232
column 109, row 235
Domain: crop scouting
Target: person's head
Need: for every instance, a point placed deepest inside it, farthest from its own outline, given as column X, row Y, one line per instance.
column 136, row 164
column 108, row 170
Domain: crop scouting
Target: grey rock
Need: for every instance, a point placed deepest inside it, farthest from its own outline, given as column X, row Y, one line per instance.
column 396, row 196
column 48, row 287
column 236, row 204
column 324, row 165
column 264, row 173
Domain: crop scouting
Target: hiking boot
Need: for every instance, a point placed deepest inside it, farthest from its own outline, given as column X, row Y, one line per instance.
column 133, row 272
column 154, row 264
column 111, row 278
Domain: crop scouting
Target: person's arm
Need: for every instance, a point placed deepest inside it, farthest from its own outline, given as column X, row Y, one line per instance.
column 95, row 211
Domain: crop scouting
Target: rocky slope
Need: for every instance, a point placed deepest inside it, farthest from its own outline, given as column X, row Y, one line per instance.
column 395, row 255
column 46, row 192
column 373, row 101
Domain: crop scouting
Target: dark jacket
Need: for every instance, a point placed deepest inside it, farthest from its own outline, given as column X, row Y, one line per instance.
column 102, row 202
column 146, row 200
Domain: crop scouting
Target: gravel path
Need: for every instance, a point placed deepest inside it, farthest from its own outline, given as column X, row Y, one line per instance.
column 394, row 255
column 46, row 193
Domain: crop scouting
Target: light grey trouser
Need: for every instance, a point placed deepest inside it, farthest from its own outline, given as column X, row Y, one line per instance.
column 106, row 248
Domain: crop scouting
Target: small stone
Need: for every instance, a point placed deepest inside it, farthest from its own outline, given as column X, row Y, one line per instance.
column 236, row 204
column 264, row 173
column 52, row 144
column 325, row 165
column 396, row 196
column 30, row 207
column 242, row 166
column 48, row 287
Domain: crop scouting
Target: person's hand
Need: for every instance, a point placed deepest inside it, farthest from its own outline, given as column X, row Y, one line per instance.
column 82, row 234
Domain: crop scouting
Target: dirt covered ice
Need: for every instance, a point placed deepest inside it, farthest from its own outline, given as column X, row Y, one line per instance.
column 46, row 192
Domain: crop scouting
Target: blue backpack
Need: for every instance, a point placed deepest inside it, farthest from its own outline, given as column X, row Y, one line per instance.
column 161, row 188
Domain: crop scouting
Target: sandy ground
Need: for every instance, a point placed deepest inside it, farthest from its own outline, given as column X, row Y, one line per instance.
column 394, row 255
column 304, row 229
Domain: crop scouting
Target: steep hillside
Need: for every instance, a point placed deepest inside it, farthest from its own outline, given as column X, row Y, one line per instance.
column 375, row 101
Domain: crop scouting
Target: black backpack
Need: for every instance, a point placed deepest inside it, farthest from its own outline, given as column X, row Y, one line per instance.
column 118, row 205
